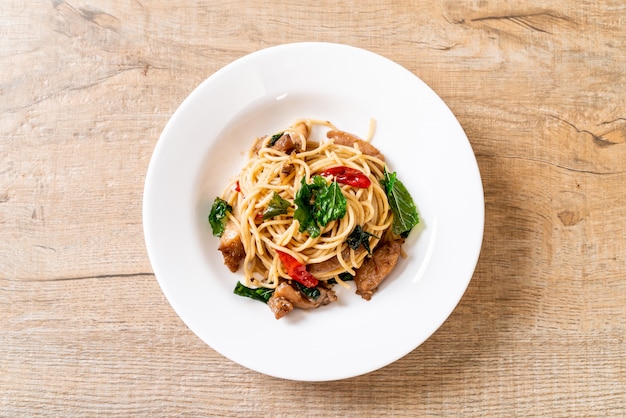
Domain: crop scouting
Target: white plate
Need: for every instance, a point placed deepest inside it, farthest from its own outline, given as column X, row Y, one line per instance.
column 205, row 143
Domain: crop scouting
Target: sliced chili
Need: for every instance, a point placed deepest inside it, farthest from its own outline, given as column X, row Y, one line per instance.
column 349, row 176
column 296, row 270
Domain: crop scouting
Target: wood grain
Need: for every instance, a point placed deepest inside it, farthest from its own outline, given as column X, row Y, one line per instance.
column 87, row 87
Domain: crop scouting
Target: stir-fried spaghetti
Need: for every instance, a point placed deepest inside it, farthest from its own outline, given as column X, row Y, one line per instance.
column 311, row 212
column 270, row 171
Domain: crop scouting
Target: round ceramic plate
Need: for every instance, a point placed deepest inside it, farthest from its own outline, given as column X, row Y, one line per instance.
column 206, row 142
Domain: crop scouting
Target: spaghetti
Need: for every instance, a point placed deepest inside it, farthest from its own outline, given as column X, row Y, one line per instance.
column 296, row 206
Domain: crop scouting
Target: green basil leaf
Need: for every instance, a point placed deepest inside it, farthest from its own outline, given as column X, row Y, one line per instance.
column 277, row 206
column 261, row 294
column 217, row 216
column 304, row 210
column 318, row 183
column 317, row 204
column 360, row 237
column 345, row 276
column 405, row 215
column 310, row 292
column 330, row 204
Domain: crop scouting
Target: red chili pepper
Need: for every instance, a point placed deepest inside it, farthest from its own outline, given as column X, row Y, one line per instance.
column 297, row 271
column 349, row 176
column 237, row 188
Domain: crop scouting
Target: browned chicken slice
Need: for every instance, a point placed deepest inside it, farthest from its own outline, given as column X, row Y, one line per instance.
column 344, row 138
column 303, row 129
column 284, row 144
column 326, row 266
column 332, row 264
column 231, row 247
column 279, row 306
column 288, row 142
column 377, row 267
column 286, row 297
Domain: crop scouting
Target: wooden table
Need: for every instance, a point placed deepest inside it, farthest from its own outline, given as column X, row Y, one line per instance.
column 86, row 88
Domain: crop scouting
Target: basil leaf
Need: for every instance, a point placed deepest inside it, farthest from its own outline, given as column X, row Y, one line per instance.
column 310, row 292
column 330, row 204
column 277, row 206
column 261, row 294
column 345, row 276
column 405, row 215
column 317, row 204
column 217, row 216
column 319, row 183
column 304, row 210
column 360, row 237
column 273, row 139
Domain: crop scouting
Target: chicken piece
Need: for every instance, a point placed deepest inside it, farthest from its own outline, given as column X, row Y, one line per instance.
column 293, row 139
column 377, row 267
column 332, row 264
column 279, row 306
column 303, row 129
column 285, row 144
column 286, row 170
column 231, row 247
column 344, row 138
column 286, row 297
column 326, row 266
